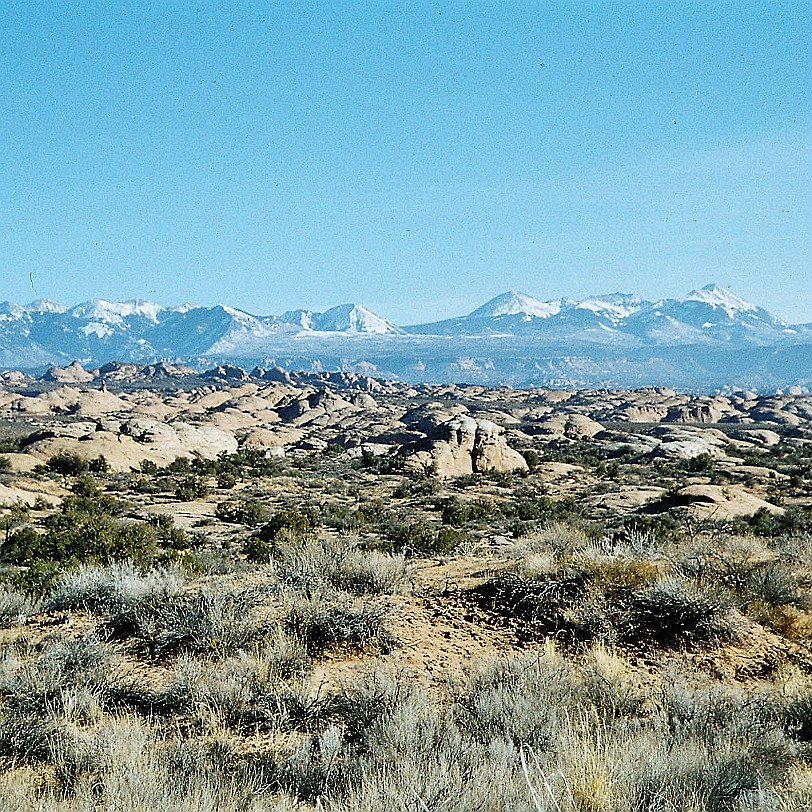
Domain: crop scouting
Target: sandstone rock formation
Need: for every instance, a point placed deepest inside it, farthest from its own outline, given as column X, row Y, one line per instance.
column 462, row 446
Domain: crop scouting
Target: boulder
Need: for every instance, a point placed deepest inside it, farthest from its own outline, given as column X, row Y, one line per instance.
column 492, row 453
column 462, row 446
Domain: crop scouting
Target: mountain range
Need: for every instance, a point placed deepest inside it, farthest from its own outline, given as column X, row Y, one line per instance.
column 616, row 339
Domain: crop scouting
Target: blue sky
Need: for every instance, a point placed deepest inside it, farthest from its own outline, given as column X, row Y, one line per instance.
column 416, row 157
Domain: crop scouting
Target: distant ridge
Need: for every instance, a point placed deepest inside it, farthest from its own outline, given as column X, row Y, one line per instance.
column 610, row 339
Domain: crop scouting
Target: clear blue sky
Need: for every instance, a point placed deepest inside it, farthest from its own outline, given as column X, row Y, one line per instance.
column 416, row 157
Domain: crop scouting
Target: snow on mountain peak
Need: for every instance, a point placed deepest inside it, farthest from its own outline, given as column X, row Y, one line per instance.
column 715, row 296
column 43, row 306
column 513, row 303
column 616, row 306
column 303, row 319
column 352, row 318
column 115, row 312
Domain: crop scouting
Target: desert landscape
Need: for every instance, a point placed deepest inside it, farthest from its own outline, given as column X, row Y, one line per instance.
column 269, row 589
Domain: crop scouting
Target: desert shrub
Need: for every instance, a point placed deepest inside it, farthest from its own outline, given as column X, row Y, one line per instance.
column 93, row 504
column 420, row 538
column 609, row 683
column 700, row 464
column 340, row 564
column 33, row 580
column 531, row 457
column 167, row 534
column 323, row 627
column 80, row 537
column 15, row 606
column 191, row 488
column 214, row 623
column 226, row 481
column 123, row 765
column 417, row 486
column 618, row 576
column 546, row 604
column 113, row 588
column 580, row 601
column 797, row 715
column 521, row 700
column 723, row 746
column 380, row 463
column 257, row 550
column 342, row 516
column 67, row 464
column 98, row 465
column 85, row 485
column 86, row 530
column 68, row 679
column 244, row 463
column 793, row 521
column 286, row 526
column 249, row 512
column 22, row 545
column 535, row 508
column 251, row 691
column 660, row 528
column 457, row 513
column 774, row 583
column 674, row 613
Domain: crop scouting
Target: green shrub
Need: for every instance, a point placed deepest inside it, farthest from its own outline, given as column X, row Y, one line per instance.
column 85, row 485
column 531, row 457
column 457, row 513
column 661, row 527
column 257, row 550
column 249, row 512
column 67, row 464
column 98, row 465
column 419, row 486
column 793, row 521
column 700, row 464
column 83, row 530
column 226, row 481
column 167, row 534
column 191, row 488
column 286, row 525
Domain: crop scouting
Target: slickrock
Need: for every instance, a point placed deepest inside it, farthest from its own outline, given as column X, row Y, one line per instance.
column 75, row 373
column 718, row 502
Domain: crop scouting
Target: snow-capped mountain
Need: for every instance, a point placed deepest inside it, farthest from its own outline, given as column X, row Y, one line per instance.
column 704, row 316
column 352, row 318
column 514, row 303
column 104, row 312
column 43, row 306
column 614, row 307
column 137, row 330
column 718, row 297
column 346, row 318
column 703, row 339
